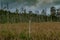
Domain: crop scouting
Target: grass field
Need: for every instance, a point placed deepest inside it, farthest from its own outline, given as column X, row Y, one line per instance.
column 39, row 31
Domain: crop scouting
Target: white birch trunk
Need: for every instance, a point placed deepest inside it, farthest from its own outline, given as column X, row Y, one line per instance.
column 29, row 27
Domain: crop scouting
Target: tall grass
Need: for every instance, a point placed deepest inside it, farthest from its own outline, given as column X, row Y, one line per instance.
column 39, row 31
column 7, row 35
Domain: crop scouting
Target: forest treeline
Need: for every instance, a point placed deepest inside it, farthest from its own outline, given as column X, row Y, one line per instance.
column 7, row 16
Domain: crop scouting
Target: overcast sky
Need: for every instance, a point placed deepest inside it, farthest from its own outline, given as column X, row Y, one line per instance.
column 30, row 4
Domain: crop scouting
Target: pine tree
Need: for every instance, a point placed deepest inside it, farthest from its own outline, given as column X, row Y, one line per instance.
column 53, row 13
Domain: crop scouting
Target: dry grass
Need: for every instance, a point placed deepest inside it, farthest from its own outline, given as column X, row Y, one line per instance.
column 39, row 31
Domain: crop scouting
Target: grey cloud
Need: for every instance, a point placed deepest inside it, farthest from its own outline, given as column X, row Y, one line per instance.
column 36, row 3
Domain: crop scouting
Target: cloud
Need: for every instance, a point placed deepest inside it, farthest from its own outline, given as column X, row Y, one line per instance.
column 32, row 3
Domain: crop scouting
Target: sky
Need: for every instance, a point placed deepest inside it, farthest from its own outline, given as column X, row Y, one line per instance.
column 30, row 4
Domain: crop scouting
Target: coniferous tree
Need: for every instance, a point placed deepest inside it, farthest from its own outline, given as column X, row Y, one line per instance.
column 17, row 14
column 43, row 13
column 53, row 13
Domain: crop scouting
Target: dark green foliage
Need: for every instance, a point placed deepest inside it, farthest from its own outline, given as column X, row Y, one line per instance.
column 24, row 36
column 7, row 35
column 7, row 16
